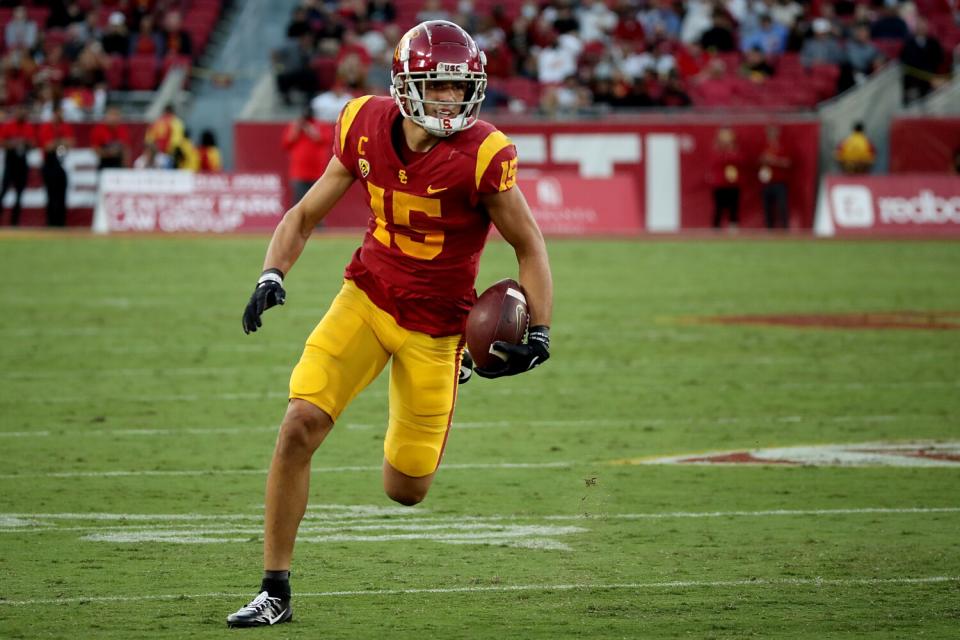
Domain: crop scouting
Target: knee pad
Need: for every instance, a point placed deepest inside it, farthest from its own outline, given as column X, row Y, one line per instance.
column 412, row 459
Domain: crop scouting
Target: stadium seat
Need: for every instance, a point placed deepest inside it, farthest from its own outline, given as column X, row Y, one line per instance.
column 326, row 71
column 142, row 73
column 115, row 72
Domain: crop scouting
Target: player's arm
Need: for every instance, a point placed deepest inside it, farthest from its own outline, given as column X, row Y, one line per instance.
column 511, row 215
column 289, row 238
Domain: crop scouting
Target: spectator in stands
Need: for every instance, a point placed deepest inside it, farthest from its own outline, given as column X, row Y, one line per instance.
column 91, row 26
column 863, row 56
column 90, row 67
column 110, row 139
column 674, row 94
column 786, row 12
column 55, row 138
column 21, row 32
column 382, row 11
column 18, row 138
column 775, row 164
column 769, row 36
column 696, row 21
column 176, row 40
column 823, row 47
column 166, row 132
column 291, row 64
column 326, row 106
column 719, row 37
column 465, row 16
column 724, row 176
column 755, row 66
column 559, row 60
column 856, row 153
column 661, row 18
column 152, row 159
column 921, row 56
column 299, row 23
column 75, row 42
column 378, row 73
column 146, row 41
column 116, row 40
column 596, row 20
column 54, row 68
column 888, row 24
column 210, row 161
column 62, row 13
column 18, row 77
column 567, row 98
column 432, row 10
column 307, row 141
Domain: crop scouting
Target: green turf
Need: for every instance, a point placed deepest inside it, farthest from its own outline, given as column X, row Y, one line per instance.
column 125, row 356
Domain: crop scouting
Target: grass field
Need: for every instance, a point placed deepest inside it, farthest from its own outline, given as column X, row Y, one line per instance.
column 138, row 421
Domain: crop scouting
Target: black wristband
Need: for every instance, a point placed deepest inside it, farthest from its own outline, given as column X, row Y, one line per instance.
column 539, row 333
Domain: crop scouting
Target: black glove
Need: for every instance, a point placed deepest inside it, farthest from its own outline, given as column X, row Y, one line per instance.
column 269, row 293
column 521, row 357
column 466, row 368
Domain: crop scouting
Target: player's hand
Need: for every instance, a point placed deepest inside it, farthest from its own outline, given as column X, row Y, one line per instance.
column 268, row 293
column 521, row 357
column 466, row 368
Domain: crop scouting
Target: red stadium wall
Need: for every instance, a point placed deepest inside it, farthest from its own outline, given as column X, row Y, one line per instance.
column 679, row 145
column 924, row 145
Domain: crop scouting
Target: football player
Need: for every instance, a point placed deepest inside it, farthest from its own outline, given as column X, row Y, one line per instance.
column 435, row 177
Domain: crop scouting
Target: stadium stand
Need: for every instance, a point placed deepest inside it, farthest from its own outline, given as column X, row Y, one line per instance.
column 95, row 46
column 642, row 53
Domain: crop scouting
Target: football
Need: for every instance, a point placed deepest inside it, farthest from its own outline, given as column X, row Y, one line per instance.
column 500, row 314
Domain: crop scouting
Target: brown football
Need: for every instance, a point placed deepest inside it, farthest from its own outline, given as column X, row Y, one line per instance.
column 500, row 314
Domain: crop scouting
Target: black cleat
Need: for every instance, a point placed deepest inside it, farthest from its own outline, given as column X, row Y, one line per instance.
column 262, row 611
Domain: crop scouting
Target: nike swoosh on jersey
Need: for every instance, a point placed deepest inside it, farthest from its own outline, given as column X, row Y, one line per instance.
column 430, row 189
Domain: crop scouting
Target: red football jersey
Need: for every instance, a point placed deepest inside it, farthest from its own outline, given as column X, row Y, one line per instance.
column 421, row 251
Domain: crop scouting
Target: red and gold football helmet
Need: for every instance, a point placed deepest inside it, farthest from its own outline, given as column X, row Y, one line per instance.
column 438, row 50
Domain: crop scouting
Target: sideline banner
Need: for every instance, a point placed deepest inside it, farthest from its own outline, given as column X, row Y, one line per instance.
column 167, row 201
column 563, row 203
column 909, row 204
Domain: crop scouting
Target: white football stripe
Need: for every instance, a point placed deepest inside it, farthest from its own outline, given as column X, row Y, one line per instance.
column 516, row 294
column 818, row 582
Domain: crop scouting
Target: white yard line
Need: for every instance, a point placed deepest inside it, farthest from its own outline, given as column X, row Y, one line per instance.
column 344, row 517
column 817, row 582
column 80, row 431
column 248, row 472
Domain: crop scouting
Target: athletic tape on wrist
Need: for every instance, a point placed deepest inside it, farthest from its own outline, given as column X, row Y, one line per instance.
column 270, row 276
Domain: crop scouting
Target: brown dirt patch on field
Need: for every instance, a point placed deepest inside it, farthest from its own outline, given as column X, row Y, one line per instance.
column 934, row 320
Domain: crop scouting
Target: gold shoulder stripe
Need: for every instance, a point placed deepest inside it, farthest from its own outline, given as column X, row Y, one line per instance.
column 349, row 113
column 491, row 146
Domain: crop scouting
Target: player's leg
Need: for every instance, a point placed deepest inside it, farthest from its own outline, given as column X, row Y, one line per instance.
column 423, row 393
column 342, row 356
column 303, row 429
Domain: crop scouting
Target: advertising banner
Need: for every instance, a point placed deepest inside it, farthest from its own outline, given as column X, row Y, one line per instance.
column 895, row 205
column 563, row 203
column 164, row 201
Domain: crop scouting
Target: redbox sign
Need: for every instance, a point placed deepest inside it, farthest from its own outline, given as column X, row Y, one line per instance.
column 181, row 201
column 891, row 205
